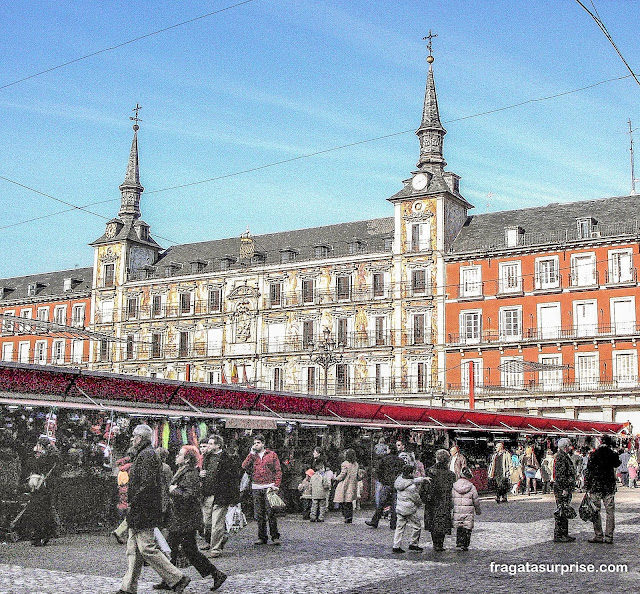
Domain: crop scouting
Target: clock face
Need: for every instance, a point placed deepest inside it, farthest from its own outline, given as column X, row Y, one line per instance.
column 111, row 230
column 417, row 206
column 419, row 182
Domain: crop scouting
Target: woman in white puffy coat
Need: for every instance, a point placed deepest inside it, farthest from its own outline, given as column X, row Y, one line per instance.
column 466, row 504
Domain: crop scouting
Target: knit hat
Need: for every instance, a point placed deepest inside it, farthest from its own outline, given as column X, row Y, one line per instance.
column 466, row 473
column 144, row 431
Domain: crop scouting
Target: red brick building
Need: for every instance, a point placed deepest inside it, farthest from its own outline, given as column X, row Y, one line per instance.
column 543, row 301
column 60, row 305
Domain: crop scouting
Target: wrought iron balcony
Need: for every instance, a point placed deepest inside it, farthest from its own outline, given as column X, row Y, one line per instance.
column 549, row 333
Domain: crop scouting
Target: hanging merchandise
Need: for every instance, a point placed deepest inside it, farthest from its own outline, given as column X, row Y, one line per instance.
column 154, row 436
column 174, row 434
column 51, row 423
column 183, row 435
column 202, row 431
column 234, row 374
column 166, row 431
column 193, row 436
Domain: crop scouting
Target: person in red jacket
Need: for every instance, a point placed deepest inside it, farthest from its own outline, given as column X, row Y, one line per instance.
column 263, row 466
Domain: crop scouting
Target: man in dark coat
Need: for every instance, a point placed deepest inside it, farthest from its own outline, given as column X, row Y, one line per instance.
column 388, row 468
column 600, row 483
column 40, row 520
column 220, row 476
column 438, row 503
column 145, row 513
column 564, row 483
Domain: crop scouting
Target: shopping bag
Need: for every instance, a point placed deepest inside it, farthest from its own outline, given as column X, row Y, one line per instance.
column 565, row 511
column 245, row 482
column 587, row 509
column 235, row 520
column 275, row 501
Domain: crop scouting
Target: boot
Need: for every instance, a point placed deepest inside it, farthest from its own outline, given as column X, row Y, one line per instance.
column 218, row 579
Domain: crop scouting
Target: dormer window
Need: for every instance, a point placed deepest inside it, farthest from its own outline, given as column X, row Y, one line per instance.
column 513, row 236
column 355, row 247
column 198, row 266
column 388, row 244
column 172, row 269
column 227, row 262
column 33, row 289
column 585, row 227
column 68, row 284
column 258, row 258
column 321, row 251
column 288, row 255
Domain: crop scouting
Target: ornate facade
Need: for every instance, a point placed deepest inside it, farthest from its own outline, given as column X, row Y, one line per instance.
column 533, row 309
column 255, row 309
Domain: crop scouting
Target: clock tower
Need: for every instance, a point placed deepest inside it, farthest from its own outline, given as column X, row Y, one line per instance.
column 429, row 211
column 126, row 247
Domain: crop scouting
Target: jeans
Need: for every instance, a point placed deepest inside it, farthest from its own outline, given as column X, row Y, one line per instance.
column 187, row 540
column 264, row 515
column 610, row 508
column 387, row 497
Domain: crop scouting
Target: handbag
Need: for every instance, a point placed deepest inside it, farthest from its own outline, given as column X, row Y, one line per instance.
column 538, row 475
column 275, row 501
column 587, row 509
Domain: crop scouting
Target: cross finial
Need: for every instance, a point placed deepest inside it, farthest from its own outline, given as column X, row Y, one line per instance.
column 136, row 119
column 430, row 37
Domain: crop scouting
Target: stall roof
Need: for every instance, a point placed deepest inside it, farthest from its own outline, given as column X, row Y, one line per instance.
column 36, row 385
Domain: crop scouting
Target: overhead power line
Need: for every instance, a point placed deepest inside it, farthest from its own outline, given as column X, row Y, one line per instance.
column 603, row 28
column 119, row 45
column 73, row 207
column 292, row 159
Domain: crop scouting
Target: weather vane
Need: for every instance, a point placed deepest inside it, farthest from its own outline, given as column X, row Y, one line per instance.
column 430, row 37
column 136, row 119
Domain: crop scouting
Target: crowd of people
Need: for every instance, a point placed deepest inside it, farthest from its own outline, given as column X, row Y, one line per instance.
column 165, row 500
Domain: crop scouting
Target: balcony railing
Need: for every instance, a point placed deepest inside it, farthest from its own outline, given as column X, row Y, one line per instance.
column 584, row 279
column 606, row 331
column 621, row 277
column 587, row 385
column 384, row 386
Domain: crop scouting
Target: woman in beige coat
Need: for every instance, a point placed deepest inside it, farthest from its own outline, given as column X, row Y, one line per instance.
column 347, row 487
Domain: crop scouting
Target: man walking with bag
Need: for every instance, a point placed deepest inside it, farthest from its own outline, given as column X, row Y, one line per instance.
column 220, row 476
column 600, row 483
column 145, row 513
column 563, row 486
column 263, row 466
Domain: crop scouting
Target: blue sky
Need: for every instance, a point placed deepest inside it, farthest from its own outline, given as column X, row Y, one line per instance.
column 273, row 80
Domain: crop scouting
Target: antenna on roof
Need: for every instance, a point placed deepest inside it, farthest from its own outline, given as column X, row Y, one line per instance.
column 633, row 176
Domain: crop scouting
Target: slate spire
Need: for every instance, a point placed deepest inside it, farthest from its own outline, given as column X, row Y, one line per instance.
column 431, row 132
column 131, row 188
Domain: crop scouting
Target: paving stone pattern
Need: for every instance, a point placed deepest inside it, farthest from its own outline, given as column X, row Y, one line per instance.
column 355, row 559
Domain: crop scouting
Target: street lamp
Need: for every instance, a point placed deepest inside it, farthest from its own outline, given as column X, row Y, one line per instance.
column 326, row 354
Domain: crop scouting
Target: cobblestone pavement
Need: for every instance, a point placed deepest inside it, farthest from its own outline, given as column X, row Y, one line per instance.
column 355, row 559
